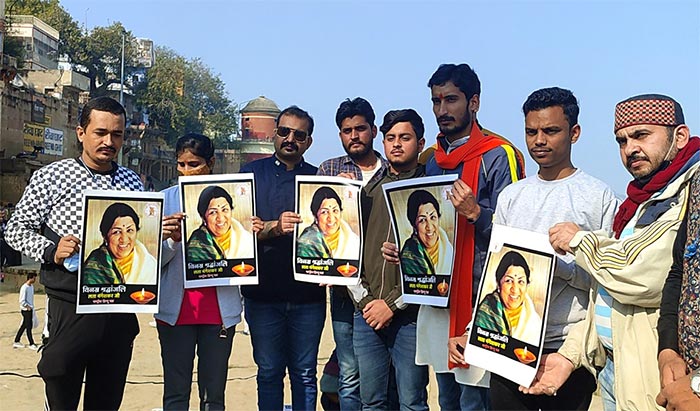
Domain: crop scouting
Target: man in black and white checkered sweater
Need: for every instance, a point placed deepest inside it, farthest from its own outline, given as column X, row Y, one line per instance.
column 46, row 226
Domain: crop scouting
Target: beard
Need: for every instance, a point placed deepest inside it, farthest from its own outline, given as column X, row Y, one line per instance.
column 288, row 155
column 644, row 177
column 399, row 163
column 457, row 130
column 358, row 153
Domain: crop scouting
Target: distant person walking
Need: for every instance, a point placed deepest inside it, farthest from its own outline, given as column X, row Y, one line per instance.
column 26, row 306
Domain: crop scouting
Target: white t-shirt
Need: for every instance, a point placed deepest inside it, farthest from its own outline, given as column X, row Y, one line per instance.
column 367, row 175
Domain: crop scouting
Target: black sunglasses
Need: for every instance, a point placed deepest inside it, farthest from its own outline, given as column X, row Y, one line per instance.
column 299, row 135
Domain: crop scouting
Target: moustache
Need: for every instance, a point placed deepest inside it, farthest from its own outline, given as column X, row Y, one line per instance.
column 110, row 149
column 445, row 118
column 634, row 158
column 290, row 144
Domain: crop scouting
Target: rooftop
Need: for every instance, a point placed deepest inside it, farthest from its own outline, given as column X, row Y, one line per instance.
column 17, row 20
column 261, row 105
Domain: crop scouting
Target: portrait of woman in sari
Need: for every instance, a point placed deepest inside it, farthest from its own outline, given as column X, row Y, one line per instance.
column 121, row 258
column 329, row 236
column 509, row 309
column 427, row 251
column 220, row 236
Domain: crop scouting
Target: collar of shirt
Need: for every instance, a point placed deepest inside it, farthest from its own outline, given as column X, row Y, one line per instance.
column 281, row 165
column 93, row 172
column 456, row 144
column 412, row 173
column 346, row 160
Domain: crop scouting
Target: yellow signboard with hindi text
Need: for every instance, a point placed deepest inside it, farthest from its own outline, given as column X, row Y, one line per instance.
column 33, row 137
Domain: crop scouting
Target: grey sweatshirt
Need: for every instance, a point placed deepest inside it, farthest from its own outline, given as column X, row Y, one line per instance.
column 536, row 205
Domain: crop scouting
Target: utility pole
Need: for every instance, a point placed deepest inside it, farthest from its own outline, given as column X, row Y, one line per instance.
column 121, row 92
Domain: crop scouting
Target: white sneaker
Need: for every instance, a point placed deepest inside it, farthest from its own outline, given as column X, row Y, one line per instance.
column 32, row 347
column 17, row 345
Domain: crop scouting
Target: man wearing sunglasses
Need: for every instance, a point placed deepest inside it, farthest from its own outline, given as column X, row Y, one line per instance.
column 355, row 120
column 285, row 317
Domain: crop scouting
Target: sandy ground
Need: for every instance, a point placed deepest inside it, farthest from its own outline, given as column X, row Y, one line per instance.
column 21, row 387
column 144, row 389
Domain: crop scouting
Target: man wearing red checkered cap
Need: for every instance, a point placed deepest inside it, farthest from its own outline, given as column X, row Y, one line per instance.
column 618, row 338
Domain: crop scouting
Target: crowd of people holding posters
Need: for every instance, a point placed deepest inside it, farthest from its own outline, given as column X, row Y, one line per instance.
column 586, row 291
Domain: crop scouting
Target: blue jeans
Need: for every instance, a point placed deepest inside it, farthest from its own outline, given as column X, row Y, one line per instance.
column 285, row 336
column 455, row 396
column 376, row 350
column 342, row 310
column 606, row 379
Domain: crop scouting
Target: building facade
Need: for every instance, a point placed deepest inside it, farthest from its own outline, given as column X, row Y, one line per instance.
column 39, row 40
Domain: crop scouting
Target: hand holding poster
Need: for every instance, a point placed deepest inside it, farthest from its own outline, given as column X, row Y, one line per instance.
column 220, row 246
column 424, row 221
column 507, row 330
column 118, row 264
column 328, row 241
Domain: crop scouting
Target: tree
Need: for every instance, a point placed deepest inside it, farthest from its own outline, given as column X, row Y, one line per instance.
column 100, row 59
column 184, row 95
column 12, row 46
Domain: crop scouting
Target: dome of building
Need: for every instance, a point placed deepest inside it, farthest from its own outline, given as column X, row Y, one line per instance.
column 261, row 105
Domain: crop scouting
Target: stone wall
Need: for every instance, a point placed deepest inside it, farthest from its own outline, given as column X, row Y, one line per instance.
column 16, row 276
column 16, row 122
column 12, row 187
column 16, row 114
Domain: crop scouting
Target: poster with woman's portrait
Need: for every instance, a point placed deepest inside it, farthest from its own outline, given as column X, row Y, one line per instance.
column 118, row 269
column 217, row 232
column 328, row 241
column 507, row 331
column 425, row 223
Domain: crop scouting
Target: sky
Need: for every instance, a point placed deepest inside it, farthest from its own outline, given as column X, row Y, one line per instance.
column 315, row 54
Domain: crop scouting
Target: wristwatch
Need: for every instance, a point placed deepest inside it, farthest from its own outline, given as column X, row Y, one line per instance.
column 695, row 381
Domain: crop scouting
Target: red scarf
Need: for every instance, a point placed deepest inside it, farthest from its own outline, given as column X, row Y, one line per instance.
column 638, row 193
column 470, row 155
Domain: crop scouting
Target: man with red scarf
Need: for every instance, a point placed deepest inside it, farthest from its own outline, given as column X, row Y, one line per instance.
column 486, row 164
column 628, row 270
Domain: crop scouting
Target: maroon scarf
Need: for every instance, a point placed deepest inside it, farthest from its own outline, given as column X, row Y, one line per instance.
column 638, row 193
